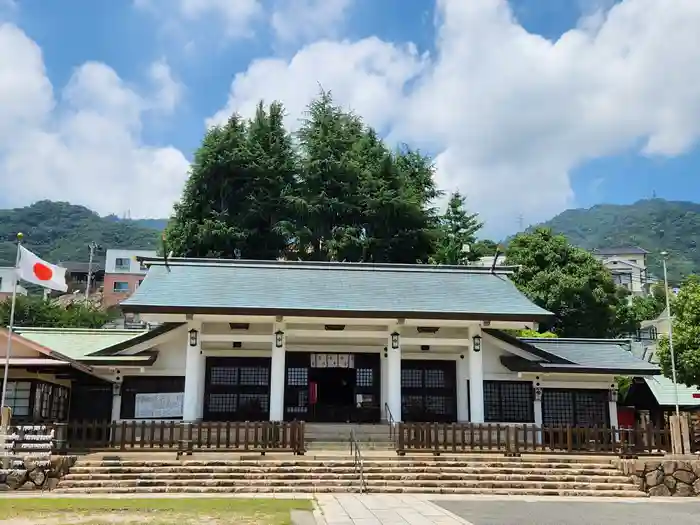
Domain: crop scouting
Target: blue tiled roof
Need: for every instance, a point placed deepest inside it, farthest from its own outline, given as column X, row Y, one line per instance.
column 410, row 290
column 594, row 353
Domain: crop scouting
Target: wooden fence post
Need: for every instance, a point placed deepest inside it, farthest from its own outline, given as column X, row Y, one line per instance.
column 680, row 435
column 5, row 415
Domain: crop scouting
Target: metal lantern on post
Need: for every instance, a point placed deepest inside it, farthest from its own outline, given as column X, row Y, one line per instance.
column 279, row 338
column 194, row 337
column 395, row 340
column 476, row 340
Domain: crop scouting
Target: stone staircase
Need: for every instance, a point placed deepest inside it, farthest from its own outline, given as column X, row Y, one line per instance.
column 383, row 473
column 336, row 436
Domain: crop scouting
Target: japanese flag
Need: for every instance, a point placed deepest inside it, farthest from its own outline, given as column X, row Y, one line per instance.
column 34, row 270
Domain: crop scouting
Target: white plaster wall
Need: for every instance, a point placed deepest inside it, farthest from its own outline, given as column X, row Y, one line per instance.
column 134, row 266
column 493, row 368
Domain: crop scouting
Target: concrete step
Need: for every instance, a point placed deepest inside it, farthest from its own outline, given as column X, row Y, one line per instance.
column 339, row 463
column 407, row 477
column 388, row 489
column 368, row 467
column 345, row 445
column 158, row 457
column 279, row 482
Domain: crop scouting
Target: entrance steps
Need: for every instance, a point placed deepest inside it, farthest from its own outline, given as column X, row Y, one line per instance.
column 336, row 436
column 328, row 473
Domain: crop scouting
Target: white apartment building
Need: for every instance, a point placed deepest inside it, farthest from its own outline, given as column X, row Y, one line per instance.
column 628, row 266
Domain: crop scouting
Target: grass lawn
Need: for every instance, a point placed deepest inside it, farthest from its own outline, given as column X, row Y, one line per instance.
column 148, row 511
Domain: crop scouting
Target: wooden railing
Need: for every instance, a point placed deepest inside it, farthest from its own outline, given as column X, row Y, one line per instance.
column 134, row 436
column 519, row 439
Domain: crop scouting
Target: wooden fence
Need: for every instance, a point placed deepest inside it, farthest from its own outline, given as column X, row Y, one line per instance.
column 518, row 439
column 135, row 436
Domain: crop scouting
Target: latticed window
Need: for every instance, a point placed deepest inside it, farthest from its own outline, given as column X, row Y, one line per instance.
column 585, row 408
column 18, row 396
column 508, row 402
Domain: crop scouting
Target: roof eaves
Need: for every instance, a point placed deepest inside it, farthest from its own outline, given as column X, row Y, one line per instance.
column 517, row 364
column 526, row 346
column 142, row 338
column 142, row 359
column 133, row 307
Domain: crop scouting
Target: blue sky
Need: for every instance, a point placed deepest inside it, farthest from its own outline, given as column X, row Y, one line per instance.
column 529, row 106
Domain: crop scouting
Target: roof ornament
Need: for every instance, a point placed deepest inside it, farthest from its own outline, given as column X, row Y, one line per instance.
column 495, row 258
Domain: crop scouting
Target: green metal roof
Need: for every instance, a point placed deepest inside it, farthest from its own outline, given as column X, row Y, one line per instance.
column 77, row 343
column 664, row 392
column 210, row 285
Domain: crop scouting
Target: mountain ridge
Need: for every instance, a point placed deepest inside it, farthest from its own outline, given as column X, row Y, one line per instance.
column 61, row 232
column 656, row 225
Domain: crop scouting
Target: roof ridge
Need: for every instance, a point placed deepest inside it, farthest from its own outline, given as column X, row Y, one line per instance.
column 575, row 340
column 331, row 265
column 35, row 329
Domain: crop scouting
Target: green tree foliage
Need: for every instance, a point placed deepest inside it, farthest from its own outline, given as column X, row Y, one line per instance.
column 235, row 198
column 456, row 233
column 335, row 193
column 686, row 335
column 653, row 224
column 566, row 280
column 534, row 334
column 58, row 231
column 486, row 248
column 36, row 312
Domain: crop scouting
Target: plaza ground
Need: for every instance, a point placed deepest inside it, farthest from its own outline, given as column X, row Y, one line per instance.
column 148, row 511
column 345, row 509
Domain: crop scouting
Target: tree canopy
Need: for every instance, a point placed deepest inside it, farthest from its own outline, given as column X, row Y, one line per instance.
column 685, row 310
column 568, row 281
column 457, row 229
column 36, row 312
column 332, row 191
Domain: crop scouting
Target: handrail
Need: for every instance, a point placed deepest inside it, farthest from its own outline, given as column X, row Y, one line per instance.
column 390, row 420
column 357, row 459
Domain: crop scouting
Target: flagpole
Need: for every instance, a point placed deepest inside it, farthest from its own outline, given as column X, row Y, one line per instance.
column 12, row 322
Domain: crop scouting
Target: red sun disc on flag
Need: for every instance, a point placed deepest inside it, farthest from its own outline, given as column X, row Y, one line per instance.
column 42, row 272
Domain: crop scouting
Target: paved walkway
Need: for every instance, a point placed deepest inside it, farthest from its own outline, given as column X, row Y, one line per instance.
column 353, row 509
column 425, row 509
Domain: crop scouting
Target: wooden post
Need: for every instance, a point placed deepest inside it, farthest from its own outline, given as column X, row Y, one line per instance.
column 680, row 435
column 5, row 416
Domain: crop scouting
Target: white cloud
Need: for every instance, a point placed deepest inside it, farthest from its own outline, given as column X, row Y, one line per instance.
column 83, row 146
column 235, row 16
column 368, row 76
column 169, row 90
column 294, row 20
column 510, row 113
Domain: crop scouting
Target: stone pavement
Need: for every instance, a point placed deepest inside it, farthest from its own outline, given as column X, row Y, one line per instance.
column 380, row 509
column 434, row 509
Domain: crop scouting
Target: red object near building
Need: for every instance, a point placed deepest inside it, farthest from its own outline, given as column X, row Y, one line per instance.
column 313, row 393
column 626, row 417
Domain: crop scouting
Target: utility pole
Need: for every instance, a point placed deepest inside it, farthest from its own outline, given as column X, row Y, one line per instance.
column 93, row 247
column 521, row 221
column 664, row 255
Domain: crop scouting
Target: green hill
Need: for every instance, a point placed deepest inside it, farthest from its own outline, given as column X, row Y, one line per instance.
column 654, row 224
column 59, row 231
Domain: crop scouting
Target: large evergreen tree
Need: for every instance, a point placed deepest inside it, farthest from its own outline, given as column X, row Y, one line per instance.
column 356, row 199
column 234, row 202
column 457, row 233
